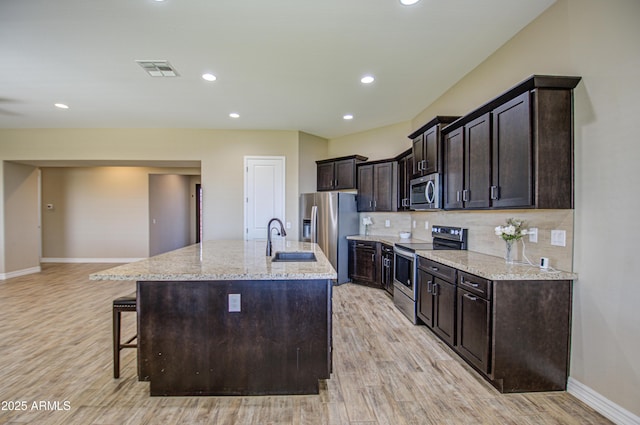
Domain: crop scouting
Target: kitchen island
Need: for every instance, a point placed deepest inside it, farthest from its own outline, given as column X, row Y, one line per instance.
column 221, row 318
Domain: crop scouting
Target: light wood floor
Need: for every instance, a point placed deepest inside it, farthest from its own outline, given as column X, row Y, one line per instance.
column 55, row 346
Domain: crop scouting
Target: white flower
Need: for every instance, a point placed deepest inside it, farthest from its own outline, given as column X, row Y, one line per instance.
column 367, row 221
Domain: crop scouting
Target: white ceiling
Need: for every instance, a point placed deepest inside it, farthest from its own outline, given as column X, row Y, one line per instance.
column 281, row 64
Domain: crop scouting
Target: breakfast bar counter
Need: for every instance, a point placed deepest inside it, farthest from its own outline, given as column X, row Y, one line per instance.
column 222, row 318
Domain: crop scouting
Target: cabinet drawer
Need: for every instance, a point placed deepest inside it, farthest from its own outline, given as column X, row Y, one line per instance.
column 445, row 272
column 474, row 284
column 364, row 244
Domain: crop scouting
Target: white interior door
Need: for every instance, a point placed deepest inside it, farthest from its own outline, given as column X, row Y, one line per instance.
column 264, row 194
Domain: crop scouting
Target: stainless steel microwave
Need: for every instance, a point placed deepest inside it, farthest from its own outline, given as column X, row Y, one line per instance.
column 425, row 192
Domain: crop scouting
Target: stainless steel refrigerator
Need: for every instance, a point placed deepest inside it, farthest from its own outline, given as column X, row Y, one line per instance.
column 327, row 218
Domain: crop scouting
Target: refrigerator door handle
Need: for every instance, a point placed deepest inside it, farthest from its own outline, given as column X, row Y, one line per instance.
column 314, row 224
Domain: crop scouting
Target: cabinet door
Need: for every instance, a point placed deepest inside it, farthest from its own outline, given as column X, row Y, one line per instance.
column 345, row 174
column 418, row 156
column 473, row 329
column 444, row 312
column 325, row 176
column 477, row 135
column 454, row 169
column 383, row 187
column 431, row 147
column 512, row 154
column 365, row 188
column 363, row 264
column 425, row 297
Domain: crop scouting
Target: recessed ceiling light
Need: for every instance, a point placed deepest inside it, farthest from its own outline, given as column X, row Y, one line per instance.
column 234, row 115
column 409, row 2
column 209, row 77
column 367, row 79
column 61, row 105
column 347, row 117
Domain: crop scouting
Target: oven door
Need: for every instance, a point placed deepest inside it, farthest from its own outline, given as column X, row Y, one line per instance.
column 404, row 272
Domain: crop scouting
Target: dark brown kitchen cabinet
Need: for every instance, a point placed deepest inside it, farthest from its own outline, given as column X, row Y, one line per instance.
column 516, row 333
column 377, row 186
column 467, row 175
column 386, row 267
column 338, row 173
column 437, row 298
column 529, row 149
column 405, row 173
column 474, row 320
column 426, row 146
column 364, row 262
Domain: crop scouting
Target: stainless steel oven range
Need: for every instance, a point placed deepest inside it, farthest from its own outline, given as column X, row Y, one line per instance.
column 405, row 293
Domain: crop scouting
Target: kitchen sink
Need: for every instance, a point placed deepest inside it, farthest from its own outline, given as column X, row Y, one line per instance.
column 294, row 256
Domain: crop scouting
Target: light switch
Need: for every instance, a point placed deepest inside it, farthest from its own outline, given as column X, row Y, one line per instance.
column 533, row 235
column 288, row 225
column 387, row 223
column 234, row 303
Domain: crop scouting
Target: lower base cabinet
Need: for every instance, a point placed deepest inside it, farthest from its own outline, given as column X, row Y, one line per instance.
column 515, row 333
column 363, row 262
column 474, row 321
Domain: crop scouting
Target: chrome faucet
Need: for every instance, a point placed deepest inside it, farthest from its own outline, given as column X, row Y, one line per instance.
column 281, row 232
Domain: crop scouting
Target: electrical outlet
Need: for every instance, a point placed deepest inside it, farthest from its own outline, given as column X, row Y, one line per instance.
column 288, row 225
column 414, row 224
column 558, row 238
column 426, row 225
column 387, row 223
column 533, row 235
column 234, row 303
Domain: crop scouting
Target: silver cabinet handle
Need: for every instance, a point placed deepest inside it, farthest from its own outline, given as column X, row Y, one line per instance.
column 458, row 196
column 494, row 192
column 429, row 286
column 424, row 164
column 471, row 297
column 466, row 282
column 435, row 269
column 465, row 195
column 373, row 258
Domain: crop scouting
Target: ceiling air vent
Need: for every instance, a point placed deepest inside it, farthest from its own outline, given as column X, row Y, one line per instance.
column 158, row 68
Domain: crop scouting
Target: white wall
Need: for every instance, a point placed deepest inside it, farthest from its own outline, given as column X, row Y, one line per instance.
column 21, row 223
column 220, row 153
column 169, row 212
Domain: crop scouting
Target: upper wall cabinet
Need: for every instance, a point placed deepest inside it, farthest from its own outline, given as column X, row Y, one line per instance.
column 405, row 174
column 516, row 151
column 338, row 173
column 426, row 146
column 378, row 186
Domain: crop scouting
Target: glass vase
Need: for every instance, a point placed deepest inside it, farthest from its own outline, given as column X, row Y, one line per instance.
column 509, row 252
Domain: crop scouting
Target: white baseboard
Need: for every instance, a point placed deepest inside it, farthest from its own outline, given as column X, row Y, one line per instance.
column 602, row 405
column 89, row 260
column 5, row 276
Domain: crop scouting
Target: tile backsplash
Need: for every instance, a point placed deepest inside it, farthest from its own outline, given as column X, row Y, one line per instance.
column 481, row 225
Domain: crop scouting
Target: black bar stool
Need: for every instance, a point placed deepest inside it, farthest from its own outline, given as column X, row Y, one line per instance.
column 121, row 304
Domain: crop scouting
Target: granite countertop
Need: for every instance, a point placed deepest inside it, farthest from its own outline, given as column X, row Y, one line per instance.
column 494, row 268
column 483, row 265
column 390, row 240
column 224, row 260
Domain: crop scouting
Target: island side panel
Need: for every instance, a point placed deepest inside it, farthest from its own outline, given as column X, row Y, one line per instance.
column 279, row 343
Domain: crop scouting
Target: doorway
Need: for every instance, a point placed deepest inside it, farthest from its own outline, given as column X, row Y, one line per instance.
column 264, row 189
